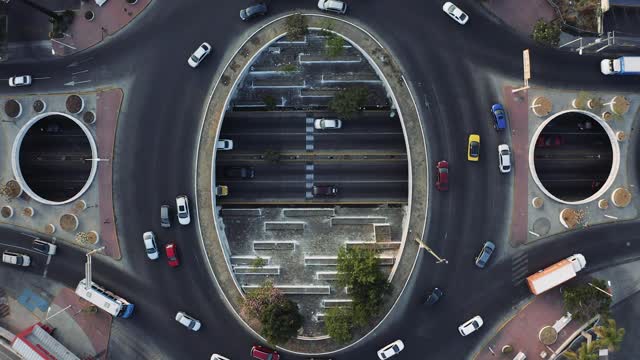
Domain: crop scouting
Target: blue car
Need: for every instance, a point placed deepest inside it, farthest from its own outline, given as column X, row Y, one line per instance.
column 499, row 117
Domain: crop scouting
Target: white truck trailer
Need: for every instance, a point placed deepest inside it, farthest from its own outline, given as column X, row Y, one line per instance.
column 556, row 274
column 625, row 65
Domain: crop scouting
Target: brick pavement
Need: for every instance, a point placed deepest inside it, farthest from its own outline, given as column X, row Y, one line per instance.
column 521, row 331
column 518, row 112
column 521, row 14
column 107, row 111
column 109, row 19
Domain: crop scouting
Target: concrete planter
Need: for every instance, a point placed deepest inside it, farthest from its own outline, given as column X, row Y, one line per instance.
column 89, row 117
column 6, row 212
column 69, row 222
column 79, row 205
column 74, row 104
column 537, row 202
column 89, row 15
column 93, row 237
column 621, row 197
column 620, row 135
column 541, row 106
column 39, row 106
column 28, row 211
column 50, row 229
column 13, row 108
column 607, row 116
column 603, row 204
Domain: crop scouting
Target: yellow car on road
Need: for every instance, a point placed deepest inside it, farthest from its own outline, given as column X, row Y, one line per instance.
column 473, row 153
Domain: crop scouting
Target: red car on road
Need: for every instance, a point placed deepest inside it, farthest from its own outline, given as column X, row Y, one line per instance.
column 442, row 175
column 263, row 353
column 172, row 254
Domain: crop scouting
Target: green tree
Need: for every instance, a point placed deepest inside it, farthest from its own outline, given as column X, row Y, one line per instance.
column 348, row 101
column 339, row 322
column 585, row 301
column 335, row 45
column 546, row 33
column 280, row 321
column 296, row 26
column 358, row 269
column 258, row 262
column 609, row 335
column 585, row 352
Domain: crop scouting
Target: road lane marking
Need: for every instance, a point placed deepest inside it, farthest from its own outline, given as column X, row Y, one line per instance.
column 79, row 72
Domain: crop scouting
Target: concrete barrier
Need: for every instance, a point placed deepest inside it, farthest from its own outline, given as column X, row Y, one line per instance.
column 283, row 225
column 274, row 245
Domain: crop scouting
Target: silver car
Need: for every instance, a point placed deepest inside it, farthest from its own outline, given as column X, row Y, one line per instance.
column 485, row 254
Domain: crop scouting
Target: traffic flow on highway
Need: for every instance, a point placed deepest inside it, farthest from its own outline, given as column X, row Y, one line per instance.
column 377, row 182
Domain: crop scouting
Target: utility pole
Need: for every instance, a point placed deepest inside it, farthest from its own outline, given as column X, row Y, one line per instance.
column 426, row 247
column 87, row 268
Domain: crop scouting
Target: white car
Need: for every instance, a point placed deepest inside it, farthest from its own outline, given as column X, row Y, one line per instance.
column 224, row 144
column 470, row 326
column 150, row 245
column 455, row 13
column 322, row 124
column 390, row 350
column 504, row 158
column 182, row 203
column 332, row 5
column 218, row 357
column 201, row 52
column 22, row 80
column 188, row 321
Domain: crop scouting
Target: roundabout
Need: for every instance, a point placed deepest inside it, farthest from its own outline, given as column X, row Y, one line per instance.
column 440, row 79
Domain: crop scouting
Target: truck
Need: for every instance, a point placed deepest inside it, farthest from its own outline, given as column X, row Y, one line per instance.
column 556, row 274
column 625, row 65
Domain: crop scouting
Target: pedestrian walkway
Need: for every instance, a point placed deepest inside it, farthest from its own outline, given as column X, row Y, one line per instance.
column 521, row 331
column 107, row 20
column 521, row 14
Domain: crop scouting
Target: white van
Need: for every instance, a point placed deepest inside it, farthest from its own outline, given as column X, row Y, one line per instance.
column 14, row 258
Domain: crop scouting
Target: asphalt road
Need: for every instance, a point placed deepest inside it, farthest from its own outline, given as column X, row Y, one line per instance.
column 447, row 66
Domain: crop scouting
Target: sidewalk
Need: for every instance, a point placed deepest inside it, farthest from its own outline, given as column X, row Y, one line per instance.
column 108, row 19
column 521, row 331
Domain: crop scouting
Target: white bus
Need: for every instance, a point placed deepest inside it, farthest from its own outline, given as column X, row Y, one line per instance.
column 105, row 299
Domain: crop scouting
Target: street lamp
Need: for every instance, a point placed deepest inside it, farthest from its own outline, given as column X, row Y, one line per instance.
column 426, row 247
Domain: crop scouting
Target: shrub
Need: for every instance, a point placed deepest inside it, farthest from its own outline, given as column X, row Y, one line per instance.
column 296, row 26
column 339, row 322
column 335, row 45
column 546, row 33
column 585, row 301
column 257, row 300
column 348, row 101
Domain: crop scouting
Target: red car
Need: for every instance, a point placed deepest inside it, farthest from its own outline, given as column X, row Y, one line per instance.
column 172, row 254
column 263, row 353
column 442, row 175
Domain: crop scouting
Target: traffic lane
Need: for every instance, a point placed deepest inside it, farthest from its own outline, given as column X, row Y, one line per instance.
column 264, row 190
column 236, row 123
column 395, row 191
column 388, row 142
column 264, row 171
column 260, row 143
column 378, row 171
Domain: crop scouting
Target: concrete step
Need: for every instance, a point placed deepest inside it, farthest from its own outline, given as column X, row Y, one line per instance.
column 320, row 260
column 309, row 212
column 274, row 245
column 382, row 232
column 385, row 245
column 250, row 270
column 296, row 289
column 367, row 78
column 329, row 303
column 326, row 59
column 248, row 259
column 278, row 84
column 327, row 275
column 241, row 212
column 284, row 225
column 358, row 220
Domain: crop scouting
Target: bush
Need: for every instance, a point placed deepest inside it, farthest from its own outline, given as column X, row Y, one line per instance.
column 358, row 269
column 585, row 301
column 338, row 323
column 269, row 102
column 335, row 45
column 296, row 26
column 272, row 156
column 349, row 101
column 546, row 33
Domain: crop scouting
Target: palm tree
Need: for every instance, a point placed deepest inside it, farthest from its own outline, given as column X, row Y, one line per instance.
column 609, row 335
column 585, row 352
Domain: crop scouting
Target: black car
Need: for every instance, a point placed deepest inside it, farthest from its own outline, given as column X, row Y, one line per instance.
column 253, row 11
column 433, row 298
column 325, row 190
column 239, row 172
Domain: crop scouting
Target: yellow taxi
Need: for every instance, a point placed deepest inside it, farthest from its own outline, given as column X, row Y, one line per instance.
column 473, row 152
